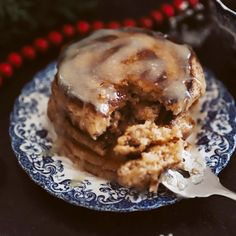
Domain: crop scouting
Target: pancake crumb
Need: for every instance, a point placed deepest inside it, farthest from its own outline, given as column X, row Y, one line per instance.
column 159, row 148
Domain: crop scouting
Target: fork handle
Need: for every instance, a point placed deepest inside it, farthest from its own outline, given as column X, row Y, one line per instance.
column 226, row 193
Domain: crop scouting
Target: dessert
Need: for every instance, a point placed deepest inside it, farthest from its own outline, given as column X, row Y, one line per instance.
column 120, row 104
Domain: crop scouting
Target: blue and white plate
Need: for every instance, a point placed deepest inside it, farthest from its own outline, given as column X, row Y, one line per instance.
column 32, row 141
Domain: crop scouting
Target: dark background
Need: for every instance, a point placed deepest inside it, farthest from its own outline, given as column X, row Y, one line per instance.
column 26, row 209
column 22, row 20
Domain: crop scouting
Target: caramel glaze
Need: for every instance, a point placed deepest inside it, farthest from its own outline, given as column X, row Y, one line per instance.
column 98, row 69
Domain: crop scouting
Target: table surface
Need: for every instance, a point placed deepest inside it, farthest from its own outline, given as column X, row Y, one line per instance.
column 26, row 209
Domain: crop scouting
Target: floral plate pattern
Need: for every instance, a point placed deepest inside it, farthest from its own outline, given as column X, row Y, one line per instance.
column 32, row 141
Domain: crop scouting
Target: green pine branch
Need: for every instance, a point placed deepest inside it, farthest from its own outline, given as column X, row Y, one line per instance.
column 19, row 18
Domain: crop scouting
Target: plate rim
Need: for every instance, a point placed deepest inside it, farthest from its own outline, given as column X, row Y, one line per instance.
column 19, row 154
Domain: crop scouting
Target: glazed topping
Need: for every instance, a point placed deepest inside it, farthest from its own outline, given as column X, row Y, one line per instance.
column 95, row 67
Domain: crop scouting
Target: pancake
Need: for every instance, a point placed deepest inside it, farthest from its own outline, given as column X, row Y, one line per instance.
column 83, row 161
column 122, row 96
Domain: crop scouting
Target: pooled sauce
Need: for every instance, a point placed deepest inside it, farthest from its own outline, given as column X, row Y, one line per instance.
column 92, row 69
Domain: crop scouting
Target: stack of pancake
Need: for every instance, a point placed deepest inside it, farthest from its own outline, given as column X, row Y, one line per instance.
column 120, row 104
column 66, row 113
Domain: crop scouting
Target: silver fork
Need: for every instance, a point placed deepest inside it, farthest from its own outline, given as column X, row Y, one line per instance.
column 210, row 185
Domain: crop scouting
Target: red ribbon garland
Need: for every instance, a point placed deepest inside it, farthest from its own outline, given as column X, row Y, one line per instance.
column 56, row 38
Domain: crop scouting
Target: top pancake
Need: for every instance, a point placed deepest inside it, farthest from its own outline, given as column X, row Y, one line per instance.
column 96, row 68
column 108, row 67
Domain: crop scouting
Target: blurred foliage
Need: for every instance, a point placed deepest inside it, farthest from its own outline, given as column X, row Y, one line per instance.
column 21, row 21
column 20, row 18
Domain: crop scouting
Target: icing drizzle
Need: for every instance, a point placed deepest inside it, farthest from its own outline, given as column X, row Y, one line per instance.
column 91, row 69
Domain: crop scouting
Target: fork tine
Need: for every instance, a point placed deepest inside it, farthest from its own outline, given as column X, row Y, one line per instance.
column 210, row 185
